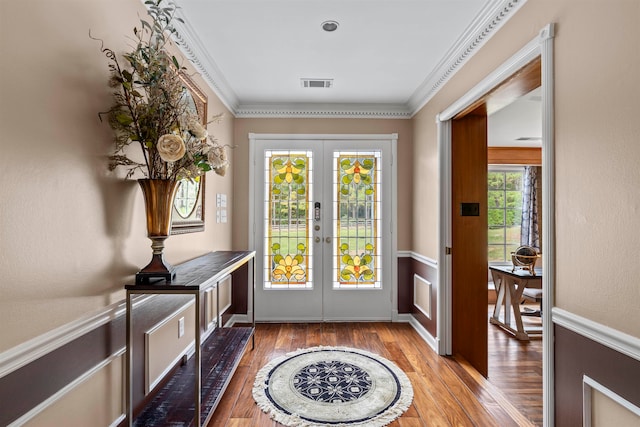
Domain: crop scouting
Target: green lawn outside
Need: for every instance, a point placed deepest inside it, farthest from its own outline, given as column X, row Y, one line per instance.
column 290, row 238
column 496, row 243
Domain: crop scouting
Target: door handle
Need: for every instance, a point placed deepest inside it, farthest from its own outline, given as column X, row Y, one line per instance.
column 327, row 239
column 318, row 239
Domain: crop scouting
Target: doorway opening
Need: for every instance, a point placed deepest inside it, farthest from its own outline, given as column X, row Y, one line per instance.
column 457, row 300
column 513, row 205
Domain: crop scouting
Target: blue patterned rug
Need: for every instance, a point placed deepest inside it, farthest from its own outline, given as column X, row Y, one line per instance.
column 332, row 386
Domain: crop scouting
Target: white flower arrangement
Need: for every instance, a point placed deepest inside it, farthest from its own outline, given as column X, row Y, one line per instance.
column 150, row 108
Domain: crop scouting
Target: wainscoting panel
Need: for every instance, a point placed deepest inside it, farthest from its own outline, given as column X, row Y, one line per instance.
column 221, row 290
column 422, row 295
column 225, row 293
column 411, row 265
column 25, row 388
column 210, row 308
column 405, row 283
column 75, row 405
column 603, row 407
column 576, row 356
column 164, row 346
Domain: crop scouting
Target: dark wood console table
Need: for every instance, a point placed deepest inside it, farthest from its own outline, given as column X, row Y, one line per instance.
column 218, row 356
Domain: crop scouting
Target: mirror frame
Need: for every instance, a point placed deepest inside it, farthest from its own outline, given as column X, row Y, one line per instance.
column 195, row 222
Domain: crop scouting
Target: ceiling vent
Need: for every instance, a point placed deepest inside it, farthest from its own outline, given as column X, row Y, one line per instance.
column 316, row 82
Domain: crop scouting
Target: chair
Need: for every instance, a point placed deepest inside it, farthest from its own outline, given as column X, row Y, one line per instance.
column 532, row 294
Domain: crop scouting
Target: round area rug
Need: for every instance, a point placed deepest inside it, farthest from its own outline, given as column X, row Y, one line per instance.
column 332, row 386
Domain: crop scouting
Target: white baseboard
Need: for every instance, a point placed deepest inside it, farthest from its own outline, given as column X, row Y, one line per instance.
column 429, row 339
column 404, row 318
column 237, row 318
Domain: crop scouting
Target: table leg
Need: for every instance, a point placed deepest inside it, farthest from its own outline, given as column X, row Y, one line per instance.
column 516, row 295
column 499, row 285
column 129, row 361
column 507, row 300
column 198, row 365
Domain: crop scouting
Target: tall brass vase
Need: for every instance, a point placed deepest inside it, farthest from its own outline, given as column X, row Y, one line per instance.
column 158, row 201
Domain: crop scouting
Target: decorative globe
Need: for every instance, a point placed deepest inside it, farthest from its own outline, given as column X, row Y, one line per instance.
column 525, row 257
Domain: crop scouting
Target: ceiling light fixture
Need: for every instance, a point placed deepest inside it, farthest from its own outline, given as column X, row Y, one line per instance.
column 330, row 26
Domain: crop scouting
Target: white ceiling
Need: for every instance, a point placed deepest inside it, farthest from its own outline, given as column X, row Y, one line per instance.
column 519, row 124
column 386, row 59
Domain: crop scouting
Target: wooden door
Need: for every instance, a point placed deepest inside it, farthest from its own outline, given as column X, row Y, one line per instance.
column 469, row 267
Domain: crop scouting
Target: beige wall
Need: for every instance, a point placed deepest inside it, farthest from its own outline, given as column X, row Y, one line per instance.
column 597, row 100
column 70, row 234
column 322, row 126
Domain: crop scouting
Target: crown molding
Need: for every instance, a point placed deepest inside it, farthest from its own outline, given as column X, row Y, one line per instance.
column 375, row 111
column 489, row 20
column 192, row 47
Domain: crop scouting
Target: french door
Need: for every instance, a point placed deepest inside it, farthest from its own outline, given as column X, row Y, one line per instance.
column 323, row 227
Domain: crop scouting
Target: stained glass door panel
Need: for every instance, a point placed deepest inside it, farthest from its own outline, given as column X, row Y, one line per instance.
column 288, row 251
column 356, row 223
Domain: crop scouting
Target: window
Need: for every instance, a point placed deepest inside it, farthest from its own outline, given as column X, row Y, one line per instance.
column 504, row 209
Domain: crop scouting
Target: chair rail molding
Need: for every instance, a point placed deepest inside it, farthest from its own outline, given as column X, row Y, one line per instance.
column 25, row 353
column 430, row 262
column 597, row 332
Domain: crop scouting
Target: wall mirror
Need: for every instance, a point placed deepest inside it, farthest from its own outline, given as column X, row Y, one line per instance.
column 188, row 205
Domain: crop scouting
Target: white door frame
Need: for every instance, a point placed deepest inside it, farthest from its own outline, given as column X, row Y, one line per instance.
column 393, row 265
column 541, row 46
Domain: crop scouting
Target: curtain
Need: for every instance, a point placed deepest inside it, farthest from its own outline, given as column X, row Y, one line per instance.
column 529, row 234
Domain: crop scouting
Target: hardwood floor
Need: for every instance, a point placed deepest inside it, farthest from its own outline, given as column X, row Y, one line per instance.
column 515, row 367
column 447, row 391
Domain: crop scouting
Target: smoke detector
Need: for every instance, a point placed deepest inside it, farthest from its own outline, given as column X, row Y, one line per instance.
column 327, row 83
